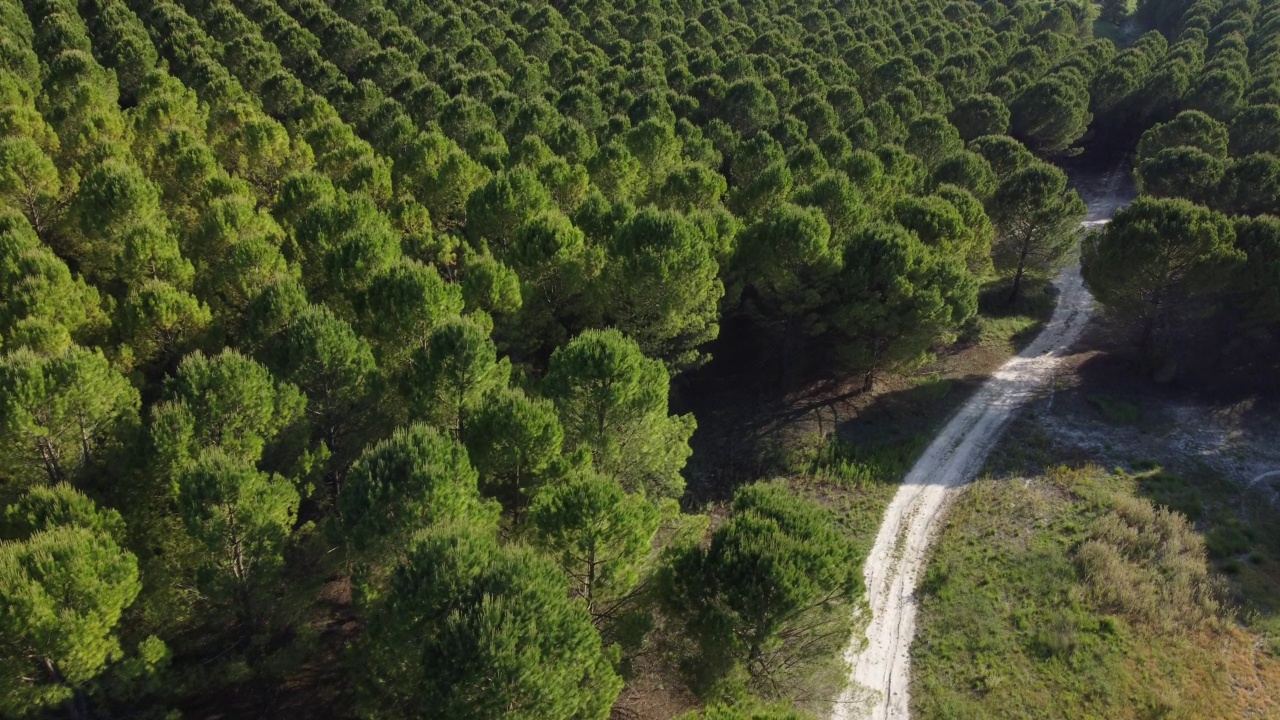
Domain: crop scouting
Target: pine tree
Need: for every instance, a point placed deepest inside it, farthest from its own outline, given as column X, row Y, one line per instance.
column 468, row 629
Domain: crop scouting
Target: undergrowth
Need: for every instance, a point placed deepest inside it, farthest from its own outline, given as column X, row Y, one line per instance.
column 1007, row 325
column 1070, row 596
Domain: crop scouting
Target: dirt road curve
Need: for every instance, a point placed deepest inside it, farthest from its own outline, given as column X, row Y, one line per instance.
column 880, row 667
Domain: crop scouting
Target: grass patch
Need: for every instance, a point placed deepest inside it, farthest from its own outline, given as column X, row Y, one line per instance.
column 1117, row 412
column 856, row 478
column 856, row 469
column 1229, row 539
column 1015, row 332
column 1172, row 492
column 853, row 465
column 1069, row 598
column 1113, row 32
column 1011, row 325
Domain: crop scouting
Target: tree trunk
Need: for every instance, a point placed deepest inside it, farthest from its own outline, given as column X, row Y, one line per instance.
column 457, row 433
column 792, row 347
column 241, row 574
column 877, row 355
column 591, row 579
column 1149, row 327
column 601, row 424
column 75, row 705
column 1144, row 342
column 1022, row 267
column 85, row 445
column 79, row 706
column 515, row 500
column 50, row 459
column 1017, row 287
column 33, row 214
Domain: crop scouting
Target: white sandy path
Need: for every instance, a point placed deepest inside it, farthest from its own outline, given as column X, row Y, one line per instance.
column 881, row 666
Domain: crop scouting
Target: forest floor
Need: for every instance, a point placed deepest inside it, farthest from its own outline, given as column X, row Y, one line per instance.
column 1010, row 622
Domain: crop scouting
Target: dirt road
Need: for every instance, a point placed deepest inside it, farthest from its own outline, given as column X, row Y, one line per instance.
column 881, row 664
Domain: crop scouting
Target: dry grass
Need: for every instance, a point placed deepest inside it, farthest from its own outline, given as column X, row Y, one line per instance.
column 1148, row 564
column 1065, row 596
column 1254, row 673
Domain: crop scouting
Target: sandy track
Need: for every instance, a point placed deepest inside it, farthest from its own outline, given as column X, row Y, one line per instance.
column 881, row 664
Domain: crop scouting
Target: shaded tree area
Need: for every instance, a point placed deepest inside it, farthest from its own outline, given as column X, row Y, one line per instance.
column 1187, row 270
column 1193, row 288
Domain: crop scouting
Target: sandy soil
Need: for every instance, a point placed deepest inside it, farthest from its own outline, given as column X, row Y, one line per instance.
column 880, row 660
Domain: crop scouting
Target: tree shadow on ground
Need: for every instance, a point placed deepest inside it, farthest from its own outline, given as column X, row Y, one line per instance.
column 826, row 422
column 752, row 422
